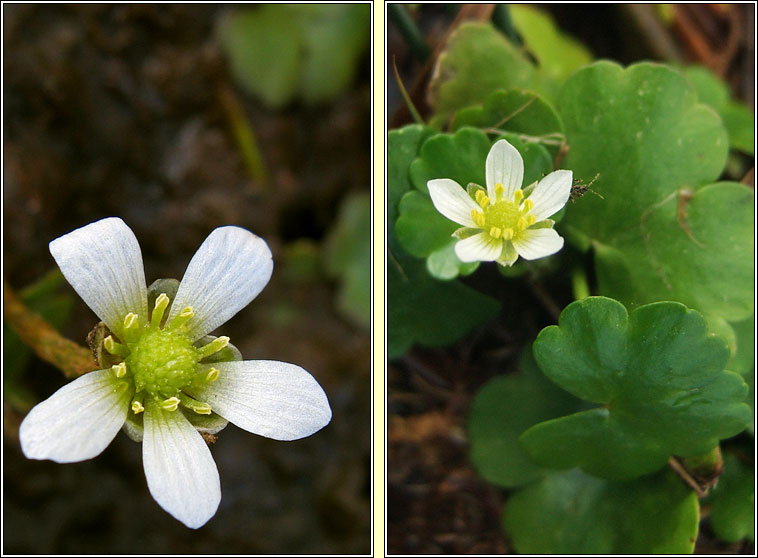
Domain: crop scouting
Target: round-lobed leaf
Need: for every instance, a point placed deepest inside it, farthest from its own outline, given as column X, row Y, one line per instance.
column 573, row 513
column 658, row 378
column 502, row 409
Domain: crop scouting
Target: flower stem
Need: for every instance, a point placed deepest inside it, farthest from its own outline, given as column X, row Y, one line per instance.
column 69, row 357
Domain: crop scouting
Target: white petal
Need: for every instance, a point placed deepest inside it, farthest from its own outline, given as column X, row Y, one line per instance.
column 78, row 421
column 266, row 397
column 504, row 166
column 532, row 244
column 180, row 471
column 452, row 201
column 103, row 263
column 551, row 194
column 479, row 248
column 228, row 271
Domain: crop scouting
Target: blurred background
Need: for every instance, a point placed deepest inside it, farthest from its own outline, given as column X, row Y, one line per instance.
column 437, row 503
column 180, row 119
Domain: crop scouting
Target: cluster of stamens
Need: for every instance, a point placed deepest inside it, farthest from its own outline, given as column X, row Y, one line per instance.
column 161, row 360
column 503, row 218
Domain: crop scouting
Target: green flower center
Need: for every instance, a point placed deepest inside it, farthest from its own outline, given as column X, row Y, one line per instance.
column 503, row 218
column 161, row 361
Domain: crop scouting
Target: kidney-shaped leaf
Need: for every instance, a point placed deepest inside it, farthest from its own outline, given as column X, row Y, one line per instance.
column 658, row 379
column 573, row 513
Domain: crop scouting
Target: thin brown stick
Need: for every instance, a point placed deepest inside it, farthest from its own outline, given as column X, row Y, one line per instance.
column 69, row 357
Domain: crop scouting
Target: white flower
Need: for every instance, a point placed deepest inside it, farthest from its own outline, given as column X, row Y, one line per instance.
column 501, row 225
column 161, row 366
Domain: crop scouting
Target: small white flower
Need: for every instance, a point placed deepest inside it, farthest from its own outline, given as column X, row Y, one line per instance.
column 161, row 365
column 501, row 225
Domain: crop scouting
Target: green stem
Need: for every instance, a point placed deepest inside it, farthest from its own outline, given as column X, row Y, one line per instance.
column 69, row 357
column 407, row 28
column 243, row 135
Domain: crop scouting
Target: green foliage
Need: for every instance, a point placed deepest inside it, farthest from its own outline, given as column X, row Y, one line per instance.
column 732, row 501
column 347, row 255
column 573, row 513
column 738, row 119
column 476, row 61
column 281, row 52
column 502, row 410
column 421, row 309
column 669, row 234
column 557, row 54
column 658, row 379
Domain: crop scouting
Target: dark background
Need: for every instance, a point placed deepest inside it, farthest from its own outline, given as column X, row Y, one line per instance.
column 116, row 110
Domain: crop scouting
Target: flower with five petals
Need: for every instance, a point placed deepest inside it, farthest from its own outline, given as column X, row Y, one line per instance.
column 165, row 371
column 501, row 224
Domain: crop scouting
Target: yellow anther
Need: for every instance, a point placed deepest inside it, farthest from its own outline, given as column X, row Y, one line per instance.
column 531, row 220
column 170, row 404
column 137, row 407
column 193, row 404
column 518, row 195
column 522, row 224
column 182, row 317
column 528, row 204
column 507, row 234
column 213, row 347
column 499, row 191
column 495, row 232
column 119, row 369
column 161, row 303
column 131, row 327
column 482, row 199
column 212, row 375
column 115, row 348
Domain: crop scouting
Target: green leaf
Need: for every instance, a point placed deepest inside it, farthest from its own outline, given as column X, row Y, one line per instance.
column 557, row 54
column 743, row 360
column 659, row 381
column 732, row 501
column 280, row 52
column 347, row 255
column 738, row 119
column 420, row 228
column 423, row 310
column 524, row 113
column 573, row 513
column 664, row 234
column 501, row 411
column 476, row 61
column 427, row 311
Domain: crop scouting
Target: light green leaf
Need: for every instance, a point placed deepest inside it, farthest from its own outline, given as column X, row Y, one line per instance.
column 658, row 379
column 347, row 255
column 476, row 61
column 573, row 513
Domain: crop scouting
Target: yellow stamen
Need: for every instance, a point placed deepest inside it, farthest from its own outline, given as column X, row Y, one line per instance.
column 495, row 232
column 522, row 224
column 518, row 195
column 482, row 199
column 115, row 348
column 528, row 204
column 161, row 303
column 170, row 404
column 193, row 404
column 507, row 234
column 182, row 317
column 213, row 347
column 212, row 375
column 531, row 220
column 119, row 369
column 499, row 191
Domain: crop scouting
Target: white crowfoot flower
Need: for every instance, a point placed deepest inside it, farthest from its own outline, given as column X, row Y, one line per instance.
column 501, row 224
column 160, row 371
